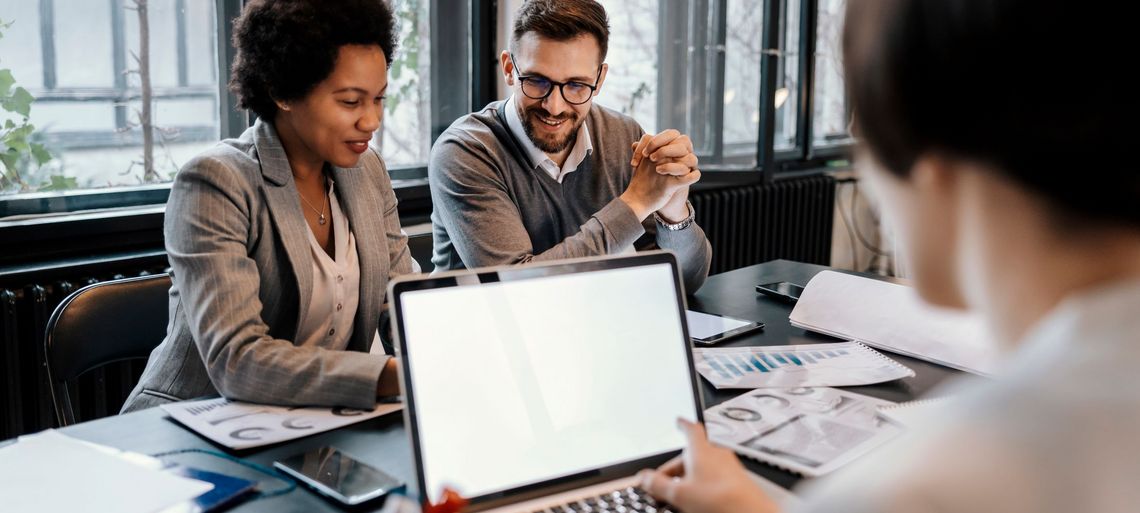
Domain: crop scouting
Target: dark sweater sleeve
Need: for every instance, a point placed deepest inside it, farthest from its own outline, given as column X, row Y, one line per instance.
column 484, row 225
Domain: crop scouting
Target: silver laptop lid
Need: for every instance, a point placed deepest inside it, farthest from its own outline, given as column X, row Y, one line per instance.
column 524, row 381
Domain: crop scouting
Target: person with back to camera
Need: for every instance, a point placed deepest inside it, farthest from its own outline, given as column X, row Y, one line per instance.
column 1008, row 200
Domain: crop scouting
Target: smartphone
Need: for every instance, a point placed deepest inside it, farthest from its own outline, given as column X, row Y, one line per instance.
column 783, row 291
column 333, row 473
column 708, row 329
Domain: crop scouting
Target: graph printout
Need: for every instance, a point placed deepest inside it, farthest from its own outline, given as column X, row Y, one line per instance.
column 812, row 365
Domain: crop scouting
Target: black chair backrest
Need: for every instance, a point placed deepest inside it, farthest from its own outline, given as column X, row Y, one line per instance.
column 103, row 323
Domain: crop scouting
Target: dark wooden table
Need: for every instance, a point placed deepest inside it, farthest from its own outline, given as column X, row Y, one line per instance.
column 382, row 442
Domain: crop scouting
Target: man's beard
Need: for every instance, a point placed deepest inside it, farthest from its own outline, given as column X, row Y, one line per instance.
column 530, row 115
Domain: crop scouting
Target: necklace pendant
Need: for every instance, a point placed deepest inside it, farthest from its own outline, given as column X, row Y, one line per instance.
column 321, row 220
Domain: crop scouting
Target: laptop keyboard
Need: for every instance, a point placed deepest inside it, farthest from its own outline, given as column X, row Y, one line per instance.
column 628, row 500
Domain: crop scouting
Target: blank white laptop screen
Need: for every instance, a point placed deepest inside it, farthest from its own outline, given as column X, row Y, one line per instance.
column 520, row 382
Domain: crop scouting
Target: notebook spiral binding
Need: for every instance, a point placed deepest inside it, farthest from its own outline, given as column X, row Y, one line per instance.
column 881, row 356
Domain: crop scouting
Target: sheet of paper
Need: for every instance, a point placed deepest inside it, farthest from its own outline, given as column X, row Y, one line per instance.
column 703, row 325
column 893, row 318
column 239, row 425
column 835, row 365
column 51, row 472
column 808, row 430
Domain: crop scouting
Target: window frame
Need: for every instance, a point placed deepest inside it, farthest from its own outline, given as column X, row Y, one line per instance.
column 765, row 162
column 129, row 219
column 134, row 214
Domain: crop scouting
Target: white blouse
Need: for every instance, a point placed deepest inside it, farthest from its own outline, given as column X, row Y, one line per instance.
column 336, row 286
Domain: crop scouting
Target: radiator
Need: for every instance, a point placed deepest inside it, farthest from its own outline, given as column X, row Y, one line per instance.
column 790, row 219
column 25, row 400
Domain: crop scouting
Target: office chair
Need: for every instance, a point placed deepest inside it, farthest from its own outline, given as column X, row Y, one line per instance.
column 100, row 324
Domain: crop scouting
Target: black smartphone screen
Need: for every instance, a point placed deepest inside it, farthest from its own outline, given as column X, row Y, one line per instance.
column 338, row 475
column 783, row 289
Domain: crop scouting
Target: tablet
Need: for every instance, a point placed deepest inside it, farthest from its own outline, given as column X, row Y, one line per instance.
column 707, row 329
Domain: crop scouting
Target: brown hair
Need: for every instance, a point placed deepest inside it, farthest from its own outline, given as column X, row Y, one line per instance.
column 562, row 20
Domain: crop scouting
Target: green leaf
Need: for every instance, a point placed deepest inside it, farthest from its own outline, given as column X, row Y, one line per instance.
column 20, row 102
column 6, row 82
column 17, row 139
column 40, row 153
column 10, row 158
column 397, row 69
column 60, row 183
column 9, row 124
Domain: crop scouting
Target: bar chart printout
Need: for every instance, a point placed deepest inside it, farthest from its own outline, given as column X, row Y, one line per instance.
column 840, row 364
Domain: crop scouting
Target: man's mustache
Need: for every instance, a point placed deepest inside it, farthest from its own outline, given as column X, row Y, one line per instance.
column 539, row 111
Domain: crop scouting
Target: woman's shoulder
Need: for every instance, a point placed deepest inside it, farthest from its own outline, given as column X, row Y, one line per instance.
column 230, row 160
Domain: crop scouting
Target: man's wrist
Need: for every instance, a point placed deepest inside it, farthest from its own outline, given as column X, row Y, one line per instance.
column 640, row 211
column 677, row 209
column 676, row 225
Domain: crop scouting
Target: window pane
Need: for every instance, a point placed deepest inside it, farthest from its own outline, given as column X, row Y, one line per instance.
column 631, row 84
column 743, row 48
column 830, row 119
column 405, row 137
column 87, row 111
column 788, row 82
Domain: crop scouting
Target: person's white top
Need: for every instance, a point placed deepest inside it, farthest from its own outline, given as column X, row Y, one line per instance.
column 336, row 286
column 583, row 147
column 1058, row 431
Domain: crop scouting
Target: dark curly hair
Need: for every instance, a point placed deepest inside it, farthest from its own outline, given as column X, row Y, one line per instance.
column 286, row 47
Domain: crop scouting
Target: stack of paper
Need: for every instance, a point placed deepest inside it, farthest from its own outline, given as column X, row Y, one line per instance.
column 49, row 472
column 893, row 318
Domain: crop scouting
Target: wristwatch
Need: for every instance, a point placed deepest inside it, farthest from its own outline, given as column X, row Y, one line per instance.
column 677, row 226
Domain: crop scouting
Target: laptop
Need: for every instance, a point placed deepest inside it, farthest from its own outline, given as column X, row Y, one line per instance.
column 545, row 387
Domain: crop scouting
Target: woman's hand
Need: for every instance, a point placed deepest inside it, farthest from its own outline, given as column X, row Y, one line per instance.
column 705, row 479
column 389, row 384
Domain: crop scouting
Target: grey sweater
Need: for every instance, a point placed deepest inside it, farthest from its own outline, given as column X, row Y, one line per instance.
column 492, row 206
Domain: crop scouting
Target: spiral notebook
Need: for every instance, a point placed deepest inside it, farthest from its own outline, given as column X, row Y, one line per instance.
column 913, row 413
column 815, row 365
column 891, row 317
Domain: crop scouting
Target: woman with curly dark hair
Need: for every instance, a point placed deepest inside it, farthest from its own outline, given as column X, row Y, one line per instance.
column 282, row 241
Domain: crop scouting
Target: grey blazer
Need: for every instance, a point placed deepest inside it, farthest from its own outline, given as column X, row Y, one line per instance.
column 242, row 280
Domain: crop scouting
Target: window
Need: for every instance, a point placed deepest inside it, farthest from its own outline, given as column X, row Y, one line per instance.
column 696, row 66
column 83, row 63
column 76, row 59
column 631, row 85
column 830, row 116
column 742, row 51
column 787, row 95
column 405, row 136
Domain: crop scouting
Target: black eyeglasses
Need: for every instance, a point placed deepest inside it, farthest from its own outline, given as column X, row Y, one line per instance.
column 539, row 87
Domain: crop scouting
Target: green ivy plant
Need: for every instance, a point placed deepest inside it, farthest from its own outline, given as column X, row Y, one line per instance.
column 17, row 145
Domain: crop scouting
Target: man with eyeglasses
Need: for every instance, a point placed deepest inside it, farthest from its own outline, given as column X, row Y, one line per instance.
column 547, row 175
